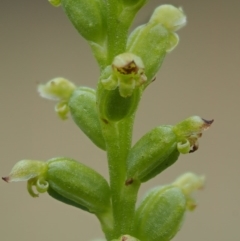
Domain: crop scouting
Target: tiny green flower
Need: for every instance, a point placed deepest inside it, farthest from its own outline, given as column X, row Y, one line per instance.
column 189, row 131
column 169, row 16
column 58, row 89
column 127, row 74
column 34, row 172
column 190, row 182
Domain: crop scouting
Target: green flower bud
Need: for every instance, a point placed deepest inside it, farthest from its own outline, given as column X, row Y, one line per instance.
column 127, row 74
column 82, row 104
column 160, row 215
column 160, row 148
column 55, row 3
column 113, row 107
column 58, row 89
column 66, row 180
column 88, row 17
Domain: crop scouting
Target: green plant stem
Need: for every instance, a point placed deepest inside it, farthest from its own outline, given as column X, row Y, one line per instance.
column 118, row 141
column 117, row 30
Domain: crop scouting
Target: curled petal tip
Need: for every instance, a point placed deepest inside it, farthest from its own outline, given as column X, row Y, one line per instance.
column 6, row 179
column 194, row 147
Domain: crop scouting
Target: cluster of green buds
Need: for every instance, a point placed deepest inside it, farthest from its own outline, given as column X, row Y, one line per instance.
column 128, row 63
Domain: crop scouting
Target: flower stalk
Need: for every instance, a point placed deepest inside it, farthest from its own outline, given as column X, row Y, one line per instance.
column 128, row 63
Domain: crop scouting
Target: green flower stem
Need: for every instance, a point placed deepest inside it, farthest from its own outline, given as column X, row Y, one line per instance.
column 106, row 221
column 117, row 30
column 118, row 139
column 100, row 54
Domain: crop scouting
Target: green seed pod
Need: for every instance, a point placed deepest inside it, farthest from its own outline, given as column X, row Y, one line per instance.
column 79, row 183
column 160, row 215
column 87, row 17
column 62, row 199
column 154, row 152
column 170, row 160
column 83, row 109
column 114, row 107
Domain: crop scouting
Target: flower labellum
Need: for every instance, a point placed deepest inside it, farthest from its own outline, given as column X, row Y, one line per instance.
column 127, row 74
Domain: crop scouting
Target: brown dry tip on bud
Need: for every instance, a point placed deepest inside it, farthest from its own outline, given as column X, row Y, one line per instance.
column 207, row 123
column 154, row 79
column 129, row 181
column 6, row 179
column 194, row 147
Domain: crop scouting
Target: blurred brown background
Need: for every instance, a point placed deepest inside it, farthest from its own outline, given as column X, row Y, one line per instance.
column 200, row 77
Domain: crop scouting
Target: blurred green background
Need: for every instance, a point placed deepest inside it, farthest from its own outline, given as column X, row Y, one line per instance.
column 200, row 77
